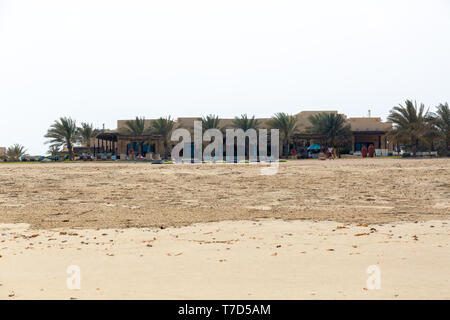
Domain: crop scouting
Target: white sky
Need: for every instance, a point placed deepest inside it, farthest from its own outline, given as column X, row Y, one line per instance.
column 99, row 61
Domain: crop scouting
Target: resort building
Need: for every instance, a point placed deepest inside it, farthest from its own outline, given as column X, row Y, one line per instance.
column 365, row 131
column 2, row 151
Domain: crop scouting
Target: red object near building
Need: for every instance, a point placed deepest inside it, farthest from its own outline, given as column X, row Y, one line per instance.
column 371, row 151
column 364, row 151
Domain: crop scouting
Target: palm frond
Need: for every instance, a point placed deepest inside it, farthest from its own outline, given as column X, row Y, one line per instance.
column 15, row 152
column 86, row 132
column 412, row 124
column 331, row 125
column 63, row 132
column 135, row 127
column 245, row 123
column 284, row 122
column 210, row 122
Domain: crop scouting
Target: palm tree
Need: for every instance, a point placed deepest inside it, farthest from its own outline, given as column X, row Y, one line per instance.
column 287, row 124
column 164, row 128
column 331, row 125
column 210, row 122
column 136, row 128
column 53, row 150
column 441, row 119
column 86, row 133
column 412, row 124
column 15, row 152
column 245, row 123
column 63, row 132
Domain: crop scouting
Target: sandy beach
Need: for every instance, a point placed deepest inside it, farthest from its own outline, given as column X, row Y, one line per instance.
column 123, row 195
column 141, row 231
column 229, row 260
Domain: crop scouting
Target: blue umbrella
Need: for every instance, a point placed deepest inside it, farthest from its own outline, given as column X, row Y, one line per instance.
column 314, row 147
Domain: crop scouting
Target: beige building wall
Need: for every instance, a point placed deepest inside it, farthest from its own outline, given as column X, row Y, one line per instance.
column 357, row 124
column 369, row 124
column 2, row 151
column 121, row 124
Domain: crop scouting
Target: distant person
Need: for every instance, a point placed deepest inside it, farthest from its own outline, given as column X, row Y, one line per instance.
column 293, row 153
column 331, row 153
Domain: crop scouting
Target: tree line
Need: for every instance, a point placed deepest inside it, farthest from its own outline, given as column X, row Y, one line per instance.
column 420, row 129
column 62, row 133
column 414, row 127
column 287, row 124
